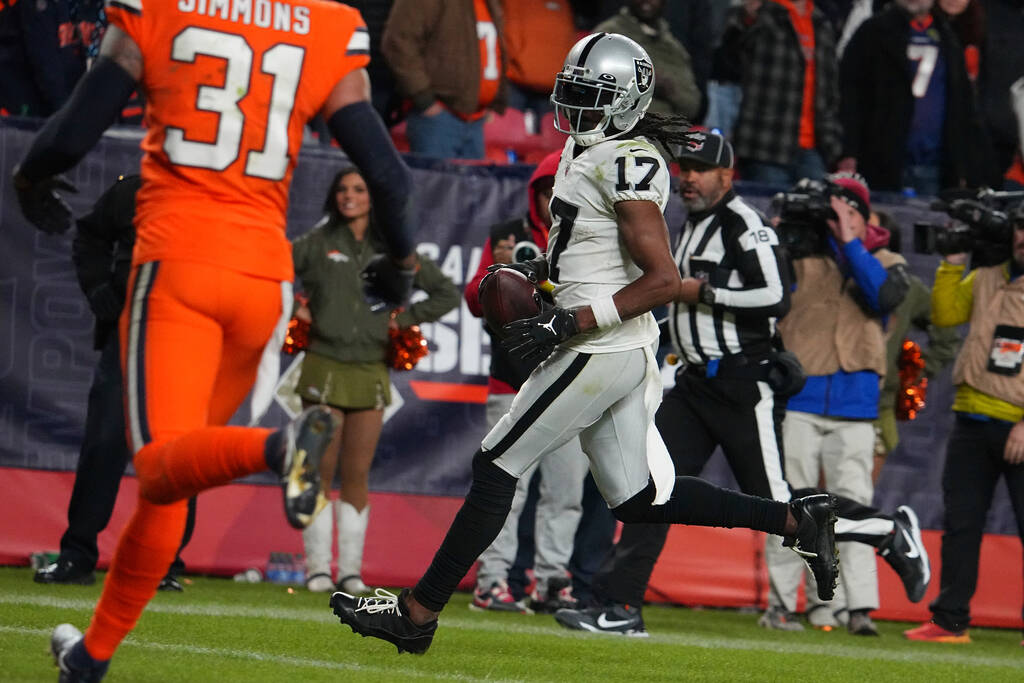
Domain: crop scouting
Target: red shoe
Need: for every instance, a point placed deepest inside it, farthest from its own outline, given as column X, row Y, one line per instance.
column 933, row 633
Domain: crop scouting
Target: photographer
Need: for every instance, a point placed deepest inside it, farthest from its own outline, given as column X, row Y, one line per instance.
column 988, row 436
column 842, row 295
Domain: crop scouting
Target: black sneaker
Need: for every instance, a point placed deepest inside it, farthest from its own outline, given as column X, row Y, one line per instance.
column 815, row 540
column 306, row 438
column 557, row 596
column 170, row 583
column 616, row 618
column 75, row 664
column 905, row 553
column 384, row 616
column 65, row 571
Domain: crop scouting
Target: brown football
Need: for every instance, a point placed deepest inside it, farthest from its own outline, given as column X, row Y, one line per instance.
column 507, row 295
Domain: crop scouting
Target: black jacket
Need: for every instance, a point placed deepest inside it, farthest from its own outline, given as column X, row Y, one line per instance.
column 1002, row 63
column 877, row 105
column 102, row 253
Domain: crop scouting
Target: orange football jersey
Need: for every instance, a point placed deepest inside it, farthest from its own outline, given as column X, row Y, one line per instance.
column 230, row 85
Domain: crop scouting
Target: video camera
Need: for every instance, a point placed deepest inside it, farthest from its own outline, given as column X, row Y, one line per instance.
column 982, row 225
column 803, row 214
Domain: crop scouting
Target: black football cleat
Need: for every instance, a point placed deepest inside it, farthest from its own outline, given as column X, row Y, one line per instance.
column 384, row 616
column 70, row 656
column 65, row 571
column 305, row 441
column 905, row 553
column 815, row 540
column 617, row 619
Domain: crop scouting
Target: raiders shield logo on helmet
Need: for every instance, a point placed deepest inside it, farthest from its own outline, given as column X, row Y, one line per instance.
column 644, row 74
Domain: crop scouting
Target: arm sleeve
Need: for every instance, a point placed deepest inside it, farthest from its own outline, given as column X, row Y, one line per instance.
column 952, row 297
column 472, row 291
column 883, row 289
column 361, row 133
column 69, row 134
column 943, row 343
column 404, row 44
column 764, row 291
column 300, row 254
column 442, row 296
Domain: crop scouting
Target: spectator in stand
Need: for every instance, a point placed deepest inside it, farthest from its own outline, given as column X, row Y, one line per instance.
column 538, row 33
column 908, row 112
column 102, row 253
column 562, row 472
column 967, row 18
column 835, row 328
column 675, row 90
column 725, row 89
column 42, row 54
column 697, row 25
column 987, row 442
column 1002, row 64
column 448, row 58
column 344, row 367
column 788, row 125
column 382, row 82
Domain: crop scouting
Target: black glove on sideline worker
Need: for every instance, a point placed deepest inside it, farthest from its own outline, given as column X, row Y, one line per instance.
column 537, row 336
column 42, row 205
column 386, row 283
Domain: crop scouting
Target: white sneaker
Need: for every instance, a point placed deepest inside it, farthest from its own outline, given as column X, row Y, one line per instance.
column 353, row 585
column 319, row 583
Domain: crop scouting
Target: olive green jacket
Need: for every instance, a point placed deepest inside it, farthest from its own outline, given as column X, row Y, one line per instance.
column 943, row 342
column 329, row 262
column 675, row 88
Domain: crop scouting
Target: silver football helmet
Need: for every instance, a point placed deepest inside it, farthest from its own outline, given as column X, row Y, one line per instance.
column 607, row 82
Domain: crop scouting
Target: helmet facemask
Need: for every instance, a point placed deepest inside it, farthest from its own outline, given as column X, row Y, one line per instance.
column 586, row 107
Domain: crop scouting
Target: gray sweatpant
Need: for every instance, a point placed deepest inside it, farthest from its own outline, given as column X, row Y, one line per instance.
column 843, row 451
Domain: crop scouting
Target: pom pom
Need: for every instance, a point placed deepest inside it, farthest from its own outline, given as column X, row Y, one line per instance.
column 910, row 399
column 406, row 347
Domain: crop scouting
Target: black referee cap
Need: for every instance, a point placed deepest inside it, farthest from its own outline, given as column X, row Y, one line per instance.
column 707, row 148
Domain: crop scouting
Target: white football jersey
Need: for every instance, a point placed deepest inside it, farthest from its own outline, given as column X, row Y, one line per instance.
column 586, row 256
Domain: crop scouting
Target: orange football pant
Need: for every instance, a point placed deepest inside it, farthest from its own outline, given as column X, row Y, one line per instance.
column 191, row 340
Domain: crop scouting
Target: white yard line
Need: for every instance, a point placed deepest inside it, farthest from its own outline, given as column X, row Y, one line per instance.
column 231, row 653
column 450, row 620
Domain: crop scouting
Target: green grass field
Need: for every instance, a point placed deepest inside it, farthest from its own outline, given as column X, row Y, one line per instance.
column 223, row 631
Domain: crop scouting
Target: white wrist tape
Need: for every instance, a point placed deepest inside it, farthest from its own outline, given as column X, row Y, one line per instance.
column 605, row 313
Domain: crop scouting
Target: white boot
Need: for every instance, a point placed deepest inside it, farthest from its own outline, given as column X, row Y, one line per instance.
column 351, row 536
column 317, row 541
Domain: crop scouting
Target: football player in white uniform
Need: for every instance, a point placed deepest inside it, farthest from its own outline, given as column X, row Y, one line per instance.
column 609, row 260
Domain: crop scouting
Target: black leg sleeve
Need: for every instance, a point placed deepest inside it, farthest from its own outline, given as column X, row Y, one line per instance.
column 632, row 562
column 474, row 528
column 700, row 503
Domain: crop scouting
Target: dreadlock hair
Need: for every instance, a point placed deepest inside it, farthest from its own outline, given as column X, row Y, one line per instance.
column 668, row 129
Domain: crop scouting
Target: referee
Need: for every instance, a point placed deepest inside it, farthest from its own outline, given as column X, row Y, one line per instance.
column 732, row 388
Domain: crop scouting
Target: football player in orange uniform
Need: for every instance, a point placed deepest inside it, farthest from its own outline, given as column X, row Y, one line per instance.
column 229, row 84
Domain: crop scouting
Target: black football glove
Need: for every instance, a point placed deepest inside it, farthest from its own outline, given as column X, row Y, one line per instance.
column 535, row 270
column 105, row 302
column 42, row 205
column 537, row 336
column 386, row 284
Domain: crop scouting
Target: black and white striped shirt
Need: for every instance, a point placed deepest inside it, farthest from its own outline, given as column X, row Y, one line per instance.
column 731, row 248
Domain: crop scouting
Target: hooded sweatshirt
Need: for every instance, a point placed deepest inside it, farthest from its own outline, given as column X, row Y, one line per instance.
column 508, row 372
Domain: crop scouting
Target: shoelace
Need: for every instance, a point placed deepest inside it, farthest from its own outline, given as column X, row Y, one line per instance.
column 383, row 602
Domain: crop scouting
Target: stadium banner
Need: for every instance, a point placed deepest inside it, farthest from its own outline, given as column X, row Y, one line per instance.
column 437, row 418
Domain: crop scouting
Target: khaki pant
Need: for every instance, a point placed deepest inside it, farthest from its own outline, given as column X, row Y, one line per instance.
column 843, row 451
